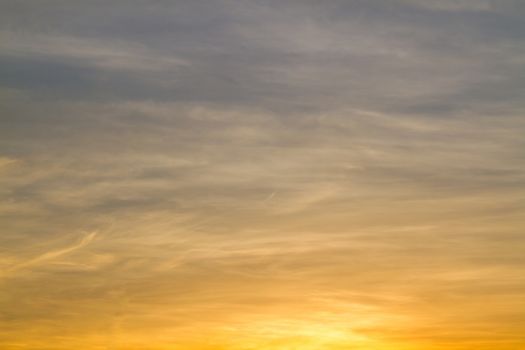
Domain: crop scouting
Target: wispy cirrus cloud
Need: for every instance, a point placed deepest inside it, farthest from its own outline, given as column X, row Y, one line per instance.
column 263, row 174
column 48, row 256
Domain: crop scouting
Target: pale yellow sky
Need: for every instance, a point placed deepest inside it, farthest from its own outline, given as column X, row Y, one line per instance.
column 274, row 175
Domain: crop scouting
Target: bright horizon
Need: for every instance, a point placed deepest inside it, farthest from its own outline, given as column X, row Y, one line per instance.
column 262, row 175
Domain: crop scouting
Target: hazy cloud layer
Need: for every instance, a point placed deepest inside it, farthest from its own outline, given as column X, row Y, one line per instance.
column 262, row 174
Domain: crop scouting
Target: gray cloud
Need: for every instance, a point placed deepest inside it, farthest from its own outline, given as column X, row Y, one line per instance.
column 291, row 55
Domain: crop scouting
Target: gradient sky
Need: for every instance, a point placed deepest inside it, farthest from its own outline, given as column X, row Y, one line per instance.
column 262, row 175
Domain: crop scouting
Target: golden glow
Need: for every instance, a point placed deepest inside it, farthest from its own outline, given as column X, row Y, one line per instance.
column 304, row 263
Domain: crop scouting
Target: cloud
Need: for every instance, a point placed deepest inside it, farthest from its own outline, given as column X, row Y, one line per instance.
column 50, row 255
column 264, row 173
column 6, row 162
column 383, row 57
column 95, row 53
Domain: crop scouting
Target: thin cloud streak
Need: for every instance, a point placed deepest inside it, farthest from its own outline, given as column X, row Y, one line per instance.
column 50, row 256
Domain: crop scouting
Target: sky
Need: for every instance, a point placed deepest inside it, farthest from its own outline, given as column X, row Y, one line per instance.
column 262, row 175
